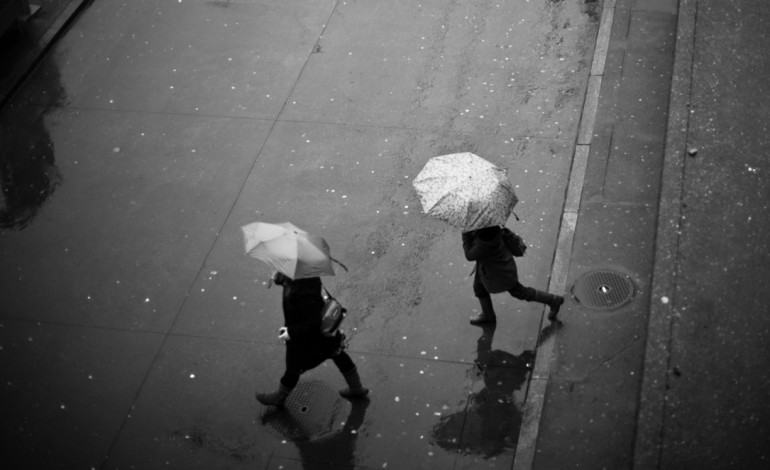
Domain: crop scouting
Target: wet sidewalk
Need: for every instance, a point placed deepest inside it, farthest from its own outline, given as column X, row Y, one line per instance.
column 134, row 330
column 134, row 333
column 590, row 403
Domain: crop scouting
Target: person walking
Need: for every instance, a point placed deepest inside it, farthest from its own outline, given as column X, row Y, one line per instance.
column 306, row 346
column 496, row 272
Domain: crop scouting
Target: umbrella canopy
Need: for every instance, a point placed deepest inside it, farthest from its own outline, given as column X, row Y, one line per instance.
column 288, row 249
column 466, row 191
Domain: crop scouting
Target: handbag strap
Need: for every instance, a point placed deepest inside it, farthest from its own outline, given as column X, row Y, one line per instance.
column 328, row 294
column 338, row 262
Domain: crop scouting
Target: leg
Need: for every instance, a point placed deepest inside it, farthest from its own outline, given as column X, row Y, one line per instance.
column 293, row 358
column 487, row 314
column 533, row 295
column 285, row 386
column 345, row 364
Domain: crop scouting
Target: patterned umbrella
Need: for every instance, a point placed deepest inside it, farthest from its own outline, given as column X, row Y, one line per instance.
column 288, row 249
column 466, row 191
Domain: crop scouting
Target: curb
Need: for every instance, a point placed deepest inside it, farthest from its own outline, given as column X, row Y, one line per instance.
column 30, row 61
column 533, row 406
column 652, row 403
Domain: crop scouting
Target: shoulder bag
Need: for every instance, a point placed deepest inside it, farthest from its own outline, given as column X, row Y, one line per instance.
column 332, row 315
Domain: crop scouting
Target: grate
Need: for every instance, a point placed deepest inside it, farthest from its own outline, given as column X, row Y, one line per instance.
column 310, row 411
column 603, row 290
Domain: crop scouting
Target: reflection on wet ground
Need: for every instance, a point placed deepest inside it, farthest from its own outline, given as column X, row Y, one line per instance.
column 337, row 450
column 311, row 411
column 308, row 420
column 28, row 172
column 491, row 421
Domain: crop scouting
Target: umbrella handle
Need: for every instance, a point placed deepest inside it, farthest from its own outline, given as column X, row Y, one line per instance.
column 338, row 262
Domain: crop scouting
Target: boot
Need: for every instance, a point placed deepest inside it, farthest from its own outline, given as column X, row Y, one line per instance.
column 487, row 315
column 355, row 389
column 553, row 301
column 276, row 398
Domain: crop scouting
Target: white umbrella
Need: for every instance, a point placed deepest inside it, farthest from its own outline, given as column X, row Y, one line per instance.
column 288, row 249
column 466, row 191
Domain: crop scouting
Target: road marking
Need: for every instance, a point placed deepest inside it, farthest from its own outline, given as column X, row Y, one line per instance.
column 533, row 405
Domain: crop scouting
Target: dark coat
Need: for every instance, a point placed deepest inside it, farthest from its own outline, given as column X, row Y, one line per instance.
column 494, row 262
column 302, row 304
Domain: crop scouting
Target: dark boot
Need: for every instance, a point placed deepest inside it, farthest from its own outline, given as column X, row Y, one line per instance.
column 487, row 315
column 355, row 389
column 276, row 398
column 553, row 301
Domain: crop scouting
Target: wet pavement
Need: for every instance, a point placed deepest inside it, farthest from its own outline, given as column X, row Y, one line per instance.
column 134, row 325
column 135, row 332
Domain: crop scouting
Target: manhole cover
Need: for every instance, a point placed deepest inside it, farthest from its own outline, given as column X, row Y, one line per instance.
column 603, row 290
column 310, row 411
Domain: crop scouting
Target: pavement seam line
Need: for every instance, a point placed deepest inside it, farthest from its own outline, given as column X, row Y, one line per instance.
column 535, row 396
column 652, row 395
column 169, row 332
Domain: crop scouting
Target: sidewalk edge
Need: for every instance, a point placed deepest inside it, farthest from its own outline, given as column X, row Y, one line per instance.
column 27, row 65
column 526, row 447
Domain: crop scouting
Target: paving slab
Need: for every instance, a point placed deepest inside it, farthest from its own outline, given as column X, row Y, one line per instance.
column 185, row 57
column 443, row 65
column 413, row 422
column 71, row 388
column 136, row 197
column 196, row 408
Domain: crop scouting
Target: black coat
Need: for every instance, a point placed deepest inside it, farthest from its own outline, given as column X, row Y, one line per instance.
column 307, row 347
column 494, row 262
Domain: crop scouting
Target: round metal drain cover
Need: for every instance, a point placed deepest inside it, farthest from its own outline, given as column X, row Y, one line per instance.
column 603, row 290
column 311, row 410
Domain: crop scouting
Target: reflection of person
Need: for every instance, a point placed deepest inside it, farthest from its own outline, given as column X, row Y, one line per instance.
column 306, row 346
column 496, row 272
column 28, row 172
column 491, row 422
column 336, row 450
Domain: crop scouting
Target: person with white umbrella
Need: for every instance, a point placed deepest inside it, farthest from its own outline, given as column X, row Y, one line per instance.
column 496, row 272
column 300, row 258
column 475, row 195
